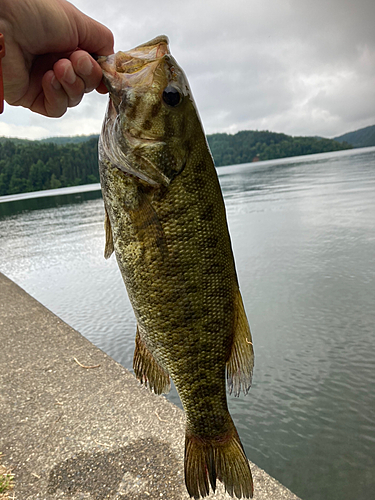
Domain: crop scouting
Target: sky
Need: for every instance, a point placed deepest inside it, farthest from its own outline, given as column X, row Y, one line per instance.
column 300, row 67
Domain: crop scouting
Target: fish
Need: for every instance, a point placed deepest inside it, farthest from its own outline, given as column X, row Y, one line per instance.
column 165, row 220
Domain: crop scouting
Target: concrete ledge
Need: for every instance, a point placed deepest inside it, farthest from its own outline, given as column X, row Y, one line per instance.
column 85, row 433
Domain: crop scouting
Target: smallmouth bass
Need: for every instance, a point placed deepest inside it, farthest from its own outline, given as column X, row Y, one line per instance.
column 166, row 223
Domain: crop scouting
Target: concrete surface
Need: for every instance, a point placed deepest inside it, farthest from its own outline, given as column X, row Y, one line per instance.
column 85, row 433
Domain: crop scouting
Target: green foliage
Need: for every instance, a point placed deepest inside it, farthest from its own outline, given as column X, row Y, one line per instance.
column 34, row 165
column 247, row 146
column 70, row 161
column 6, row 480
column 14, row 139
column 75, row 139
column 361, row 138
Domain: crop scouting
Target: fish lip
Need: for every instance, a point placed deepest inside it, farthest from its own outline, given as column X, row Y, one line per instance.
column 135, row 66
column 148, row 52
column 105, row 61
column 151, row 50
column 111, row 78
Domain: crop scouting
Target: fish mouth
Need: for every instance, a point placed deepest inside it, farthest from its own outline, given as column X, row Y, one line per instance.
column 133, row 68
column 122, row 71
column 152, row 50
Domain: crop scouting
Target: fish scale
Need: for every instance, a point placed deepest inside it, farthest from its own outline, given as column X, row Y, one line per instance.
column 166, row 223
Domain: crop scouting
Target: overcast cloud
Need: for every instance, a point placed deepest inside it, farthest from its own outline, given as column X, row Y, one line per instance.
column 292, row 66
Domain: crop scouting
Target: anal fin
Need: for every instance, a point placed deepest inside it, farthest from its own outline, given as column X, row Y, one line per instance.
column 241, row 360
column 147, row 369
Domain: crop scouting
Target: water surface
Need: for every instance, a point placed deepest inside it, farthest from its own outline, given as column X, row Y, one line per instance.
column 303, row 235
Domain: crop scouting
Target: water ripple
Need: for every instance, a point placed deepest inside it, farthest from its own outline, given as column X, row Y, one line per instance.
column 303, row 237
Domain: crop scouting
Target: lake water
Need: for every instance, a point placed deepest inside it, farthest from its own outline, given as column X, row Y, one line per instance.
column 303, row 232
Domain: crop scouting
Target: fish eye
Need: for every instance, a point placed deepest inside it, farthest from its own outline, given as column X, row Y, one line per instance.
column 172, row 96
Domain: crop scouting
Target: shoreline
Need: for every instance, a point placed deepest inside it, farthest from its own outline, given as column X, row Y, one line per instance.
column 75, row 423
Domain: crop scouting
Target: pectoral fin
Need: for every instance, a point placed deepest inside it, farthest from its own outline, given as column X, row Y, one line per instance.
column 108, row 251
column 147, row 369
column 241, row 360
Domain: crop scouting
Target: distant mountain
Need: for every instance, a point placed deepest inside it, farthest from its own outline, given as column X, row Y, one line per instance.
column 75, row 139
column 15, row 140
column 362, row 138
column 70, row 161
column 253, row 145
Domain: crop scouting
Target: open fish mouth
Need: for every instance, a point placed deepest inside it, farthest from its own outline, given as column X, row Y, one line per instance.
column 124, row 72
column 152, row 50
column 135, row 67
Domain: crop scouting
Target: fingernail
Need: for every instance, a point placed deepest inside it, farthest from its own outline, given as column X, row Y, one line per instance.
column 69, row 75
column 85, row 66
column 55, row 83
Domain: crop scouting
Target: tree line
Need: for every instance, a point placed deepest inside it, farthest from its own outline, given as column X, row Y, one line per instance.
column 39, row 165
column 35, row 165
column 249, row 145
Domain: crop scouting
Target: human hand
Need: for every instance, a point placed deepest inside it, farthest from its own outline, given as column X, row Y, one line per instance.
column 47, row 67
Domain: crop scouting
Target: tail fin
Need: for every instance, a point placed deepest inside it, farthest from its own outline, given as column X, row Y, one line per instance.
column 220, row 458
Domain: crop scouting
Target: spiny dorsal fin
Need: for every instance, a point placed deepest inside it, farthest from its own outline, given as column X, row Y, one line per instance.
column 241, row 361
column 108, row 251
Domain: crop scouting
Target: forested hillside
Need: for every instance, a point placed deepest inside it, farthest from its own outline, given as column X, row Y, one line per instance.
column 76, row 139
column 34, row 166
column 69, row 161
column 362, row 138
column 248, row 145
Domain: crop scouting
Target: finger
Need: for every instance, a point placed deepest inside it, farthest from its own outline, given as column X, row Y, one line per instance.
column 73, row 85
column 94, row 37
column 102, row 89
column 52, row 101
column 87, row 69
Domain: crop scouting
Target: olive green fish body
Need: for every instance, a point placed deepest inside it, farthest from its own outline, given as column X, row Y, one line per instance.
column 166, row 223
